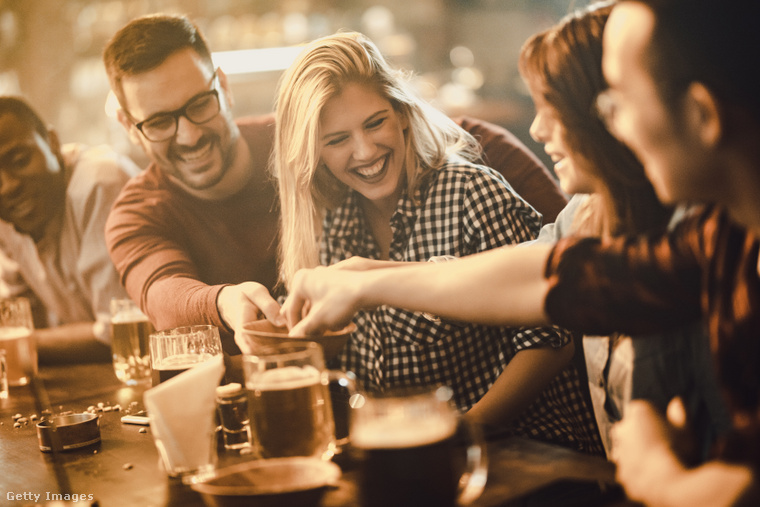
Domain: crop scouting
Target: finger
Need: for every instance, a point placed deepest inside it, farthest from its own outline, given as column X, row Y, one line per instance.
column 305, row 327
column 243, row 344
column 291, row 309
column 312, row 322
column 271, row 311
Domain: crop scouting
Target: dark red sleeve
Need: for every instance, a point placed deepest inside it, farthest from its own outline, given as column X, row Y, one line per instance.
column 634, row 286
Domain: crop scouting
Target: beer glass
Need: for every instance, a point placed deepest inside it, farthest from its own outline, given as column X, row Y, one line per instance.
column 17, row 339
column 130, row 332
column 289, row 401
column 173, row 351
column 413, row 449
column 3, row 377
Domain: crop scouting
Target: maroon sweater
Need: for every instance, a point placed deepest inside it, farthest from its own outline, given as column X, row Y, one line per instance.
column 175, row 252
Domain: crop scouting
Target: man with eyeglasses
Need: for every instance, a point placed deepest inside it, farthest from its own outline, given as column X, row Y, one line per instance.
column 194, row 237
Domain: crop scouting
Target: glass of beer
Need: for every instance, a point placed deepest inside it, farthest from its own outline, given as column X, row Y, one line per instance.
column 414, row 449
column 173, row 351
column 17, row 339
column 130, row 332
column 289, row 401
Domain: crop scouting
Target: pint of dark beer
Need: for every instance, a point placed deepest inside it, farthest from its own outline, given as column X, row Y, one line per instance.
column 407, row 452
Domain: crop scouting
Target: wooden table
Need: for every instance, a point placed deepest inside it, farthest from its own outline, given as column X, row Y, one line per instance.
column 124, row 469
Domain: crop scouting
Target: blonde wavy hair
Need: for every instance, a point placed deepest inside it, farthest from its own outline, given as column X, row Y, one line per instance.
column 307, row 188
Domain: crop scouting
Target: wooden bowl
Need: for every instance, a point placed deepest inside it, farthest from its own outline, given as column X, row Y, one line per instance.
column 277, row 482
column 263, row 332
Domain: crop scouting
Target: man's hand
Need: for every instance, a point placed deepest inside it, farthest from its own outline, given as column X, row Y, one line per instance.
column 641, row 448
column 245, row 302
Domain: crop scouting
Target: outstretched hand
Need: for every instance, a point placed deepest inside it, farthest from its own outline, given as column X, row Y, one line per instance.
column 246, row 302
column 321, row 299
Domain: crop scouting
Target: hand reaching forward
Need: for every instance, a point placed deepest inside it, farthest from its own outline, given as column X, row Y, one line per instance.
column 322, row 298
column 650, row 471
column 246, row 302
column 641, row 448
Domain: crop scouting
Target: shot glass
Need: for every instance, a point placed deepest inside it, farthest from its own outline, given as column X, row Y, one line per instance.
column 232, row 407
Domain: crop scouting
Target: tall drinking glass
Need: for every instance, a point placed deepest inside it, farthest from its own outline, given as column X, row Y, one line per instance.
column 3, row 377
column 130, row 333
column 17, row 339
column 176, row 350
column 289, row 401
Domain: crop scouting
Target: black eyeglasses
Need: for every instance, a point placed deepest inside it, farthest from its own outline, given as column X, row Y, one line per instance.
column 200, row 109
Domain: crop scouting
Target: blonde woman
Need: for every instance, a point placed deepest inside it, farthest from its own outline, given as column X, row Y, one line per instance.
column 367, row 169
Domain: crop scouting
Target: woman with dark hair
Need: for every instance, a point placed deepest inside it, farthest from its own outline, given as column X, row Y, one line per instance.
column 562, row 67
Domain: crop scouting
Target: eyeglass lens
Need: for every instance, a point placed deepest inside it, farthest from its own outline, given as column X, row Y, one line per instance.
column 200, row 110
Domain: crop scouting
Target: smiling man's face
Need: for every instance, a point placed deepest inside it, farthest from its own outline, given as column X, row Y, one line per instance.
column 658, row 132
column 32, row 183
column 197, row 157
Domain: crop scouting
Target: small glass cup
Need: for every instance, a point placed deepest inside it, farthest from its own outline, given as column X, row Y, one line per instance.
column 232, row 406
column 17, row 339
column 130, row 335
column 173, row 351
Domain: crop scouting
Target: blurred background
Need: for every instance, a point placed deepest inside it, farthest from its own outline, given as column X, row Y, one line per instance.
column 463, row 53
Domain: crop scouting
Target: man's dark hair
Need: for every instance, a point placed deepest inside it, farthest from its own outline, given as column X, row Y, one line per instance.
column 714, row 42
column 19, row 108
column 146, row 42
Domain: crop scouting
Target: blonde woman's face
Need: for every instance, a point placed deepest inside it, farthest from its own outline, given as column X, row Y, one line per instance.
column 362, row 143
column 547, row 129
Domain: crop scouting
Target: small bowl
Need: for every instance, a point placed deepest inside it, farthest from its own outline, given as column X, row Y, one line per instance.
column 263, row 332
column 277, row 482
column 73, row 431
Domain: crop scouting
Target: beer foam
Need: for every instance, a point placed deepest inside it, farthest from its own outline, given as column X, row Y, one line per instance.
column 288, row 377
column 182, row 361
column 401, row 433
column 14, row 332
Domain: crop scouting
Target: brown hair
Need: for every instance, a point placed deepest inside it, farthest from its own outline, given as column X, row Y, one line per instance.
column 563, row 66
column 146, row 42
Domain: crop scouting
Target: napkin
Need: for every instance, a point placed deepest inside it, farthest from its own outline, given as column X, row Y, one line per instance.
column 181, row 415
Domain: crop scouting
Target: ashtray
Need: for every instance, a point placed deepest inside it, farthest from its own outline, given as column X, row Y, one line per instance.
column 73, row 431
